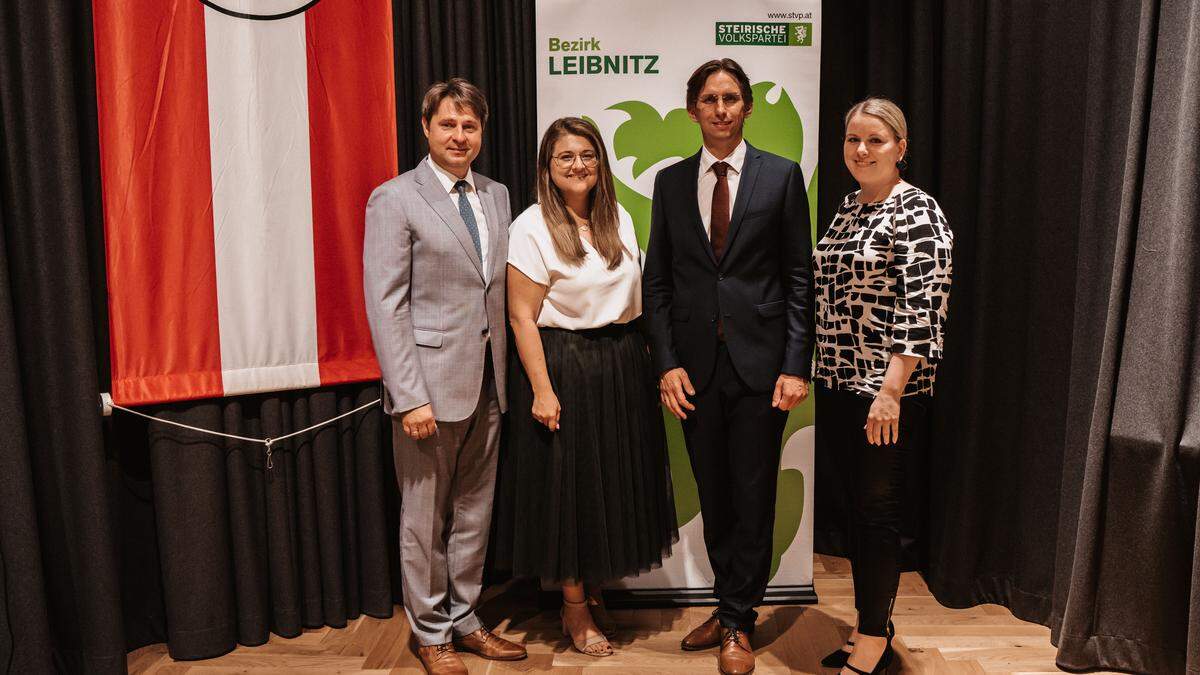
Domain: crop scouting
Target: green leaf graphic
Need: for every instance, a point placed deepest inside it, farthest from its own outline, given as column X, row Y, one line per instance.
column 800, row 417
column 789, row 509
column 651, row 138
column 775, row 127
column 638, row 207
column 687, row 497
column 812, row 205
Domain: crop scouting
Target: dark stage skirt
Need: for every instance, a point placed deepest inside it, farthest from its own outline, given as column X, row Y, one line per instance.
column 592, row 501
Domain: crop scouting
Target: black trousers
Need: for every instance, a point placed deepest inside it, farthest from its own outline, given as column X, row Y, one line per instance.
column 733, row 439
column 877, row 484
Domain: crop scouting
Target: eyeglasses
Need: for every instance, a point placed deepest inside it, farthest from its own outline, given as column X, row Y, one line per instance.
column 710, row 100
column 567, row 159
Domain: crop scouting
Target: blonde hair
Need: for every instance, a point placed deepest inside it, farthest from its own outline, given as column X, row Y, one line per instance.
column 602, row 215
column 889, row 112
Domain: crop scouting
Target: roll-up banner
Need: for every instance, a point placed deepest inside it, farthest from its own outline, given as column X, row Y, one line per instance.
column 624, row 64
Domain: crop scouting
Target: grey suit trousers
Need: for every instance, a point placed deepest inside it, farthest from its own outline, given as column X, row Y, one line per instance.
column 447, row 482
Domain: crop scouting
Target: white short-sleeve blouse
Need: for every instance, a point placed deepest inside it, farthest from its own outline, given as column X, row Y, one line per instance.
column 588, row 295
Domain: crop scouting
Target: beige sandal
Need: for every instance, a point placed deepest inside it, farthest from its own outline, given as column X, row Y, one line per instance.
column 597, row 645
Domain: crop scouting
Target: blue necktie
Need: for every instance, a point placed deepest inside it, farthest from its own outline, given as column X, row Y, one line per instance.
column 468, row 216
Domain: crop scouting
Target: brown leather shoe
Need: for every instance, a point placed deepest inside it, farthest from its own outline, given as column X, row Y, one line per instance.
column 487, row 644
column 707, row 634
column 736, row 656
column 441, row 660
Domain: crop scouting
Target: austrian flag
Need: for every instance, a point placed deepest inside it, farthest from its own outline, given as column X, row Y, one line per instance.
column 239, row 141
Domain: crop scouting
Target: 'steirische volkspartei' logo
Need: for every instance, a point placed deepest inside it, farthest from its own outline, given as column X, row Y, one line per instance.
column 762, row 33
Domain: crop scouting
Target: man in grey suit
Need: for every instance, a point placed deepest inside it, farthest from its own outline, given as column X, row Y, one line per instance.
column 434, row 260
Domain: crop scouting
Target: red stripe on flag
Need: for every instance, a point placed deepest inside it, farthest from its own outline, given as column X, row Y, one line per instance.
column 352, row 129
column 152, row 98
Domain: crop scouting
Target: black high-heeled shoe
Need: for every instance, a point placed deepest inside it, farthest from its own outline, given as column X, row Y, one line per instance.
column 885, row 659
column 837, row 659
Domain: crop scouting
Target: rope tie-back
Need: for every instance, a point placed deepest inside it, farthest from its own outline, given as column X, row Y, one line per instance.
column 268, row 442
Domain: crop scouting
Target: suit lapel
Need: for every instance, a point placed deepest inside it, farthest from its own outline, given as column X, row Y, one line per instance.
column 492, row 215
column 430, row 189
column 745, row 192
column 697, row 222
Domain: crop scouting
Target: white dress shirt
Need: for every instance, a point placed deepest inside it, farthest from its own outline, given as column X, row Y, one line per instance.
column 448, row 180
column 708, row 181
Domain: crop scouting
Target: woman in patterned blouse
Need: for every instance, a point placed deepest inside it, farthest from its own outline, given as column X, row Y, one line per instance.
column 882, row 284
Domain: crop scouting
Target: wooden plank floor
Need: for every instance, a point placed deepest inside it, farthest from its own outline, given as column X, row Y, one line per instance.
column 932, row 639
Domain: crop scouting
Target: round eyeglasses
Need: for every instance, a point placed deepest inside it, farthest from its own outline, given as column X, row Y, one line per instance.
column 567, row 159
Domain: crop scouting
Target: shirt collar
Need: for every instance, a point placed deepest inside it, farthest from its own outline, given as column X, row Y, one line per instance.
column 735, row 160
column 448, row 179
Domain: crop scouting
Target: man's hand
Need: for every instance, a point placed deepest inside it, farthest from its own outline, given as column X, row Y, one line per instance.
column 419, row 423
column 790, row 391
column 674, row 387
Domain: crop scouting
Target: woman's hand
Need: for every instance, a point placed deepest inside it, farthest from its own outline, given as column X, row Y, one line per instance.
column 546, row 410
column 883, row 420
column 525, row 298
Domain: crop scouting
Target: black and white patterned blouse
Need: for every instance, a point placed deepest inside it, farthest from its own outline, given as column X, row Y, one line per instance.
column 883, row 286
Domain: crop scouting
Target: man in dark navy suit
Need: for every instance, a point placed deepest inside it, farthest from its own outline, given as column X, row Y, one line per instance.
column 728, row 299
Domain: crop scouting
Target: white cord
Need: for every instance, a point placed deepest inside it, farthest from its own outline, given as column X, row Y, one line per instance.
column 265, row 441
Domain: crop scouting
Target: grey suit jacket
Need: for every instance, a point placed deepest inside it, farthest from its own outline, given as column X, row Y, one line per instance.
column 431, row 306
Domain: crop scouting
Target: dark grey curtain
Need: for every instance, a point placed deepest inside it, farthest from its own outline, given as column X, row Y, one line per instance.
column 243, row 549
column 58, row 543
column 1128, row 560
column 1057, row 137
column 490, row 44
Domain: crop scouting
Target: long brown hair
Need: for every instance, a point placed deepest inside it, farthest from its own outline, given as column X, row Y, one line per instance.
column 606, row 237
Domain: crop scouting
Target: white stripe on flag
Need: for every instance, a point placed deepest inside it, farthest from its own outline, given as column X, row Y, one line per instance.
column 262, row 202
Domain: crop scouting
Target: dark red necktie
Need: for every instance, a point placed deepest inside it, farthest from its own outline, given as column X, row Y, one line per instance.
column 719, row 221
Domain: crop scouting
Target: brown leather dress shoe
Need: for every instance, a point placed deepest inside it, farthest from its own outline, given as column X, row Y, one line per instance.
column 441, row 660
column 487, row 644
column 736, row 656
column 707, row 634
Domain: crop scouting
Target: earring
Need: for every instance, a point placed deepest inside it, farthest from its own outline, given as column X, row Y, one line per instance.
column 902, row 164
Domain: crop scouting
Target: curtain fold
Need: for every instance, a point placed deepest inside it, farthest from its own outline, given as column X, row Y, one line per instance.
column 60, row 566
column 248, row 549
column 25, row 637
column 1135, row 379
column 996, row 465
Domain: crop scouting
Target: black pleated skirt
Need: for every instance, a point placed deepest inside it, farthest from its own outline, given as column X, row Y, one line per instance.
column 592, row 501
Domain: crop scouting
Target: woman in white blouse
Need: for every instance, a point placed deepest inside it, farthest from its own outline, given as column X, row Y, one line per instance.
column 584, row 488
column 882, row 274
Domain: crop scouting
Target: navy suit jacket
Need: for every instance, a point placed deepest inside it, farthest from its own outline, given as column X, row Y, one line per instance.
column 761, row 289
